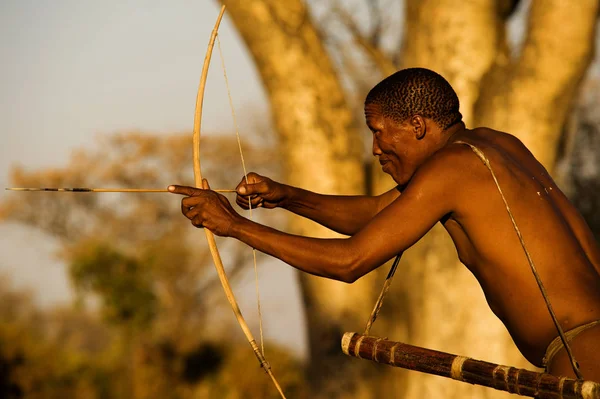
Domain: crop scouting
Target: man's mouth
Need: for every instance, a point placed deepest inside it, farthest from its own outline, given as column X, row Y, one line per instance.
column 383, row 163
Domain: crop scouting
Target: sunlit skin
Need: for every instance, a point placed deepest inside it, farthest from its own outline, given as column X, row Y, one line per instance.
column 442, row 181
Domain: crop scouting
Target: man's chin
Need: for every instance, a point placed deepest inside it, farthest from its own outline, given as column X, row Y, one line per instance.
column 400, row 180
column 389, row 173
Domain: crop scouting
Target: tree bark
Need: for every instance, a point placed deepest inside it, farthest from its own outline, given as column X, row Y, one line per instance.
column 322, row 152
column 532, row 96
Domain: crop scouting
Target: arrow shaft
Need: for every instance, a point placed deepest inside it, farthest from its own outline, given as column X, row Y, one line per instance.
column 100, row 190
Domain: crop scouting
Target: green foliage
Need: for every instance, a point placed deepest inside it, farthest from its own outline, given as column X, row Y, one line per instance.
column 119, row 280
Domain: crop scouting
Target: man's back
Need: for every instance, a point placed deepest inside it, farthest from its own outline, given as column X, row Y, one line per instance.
column 560, row 243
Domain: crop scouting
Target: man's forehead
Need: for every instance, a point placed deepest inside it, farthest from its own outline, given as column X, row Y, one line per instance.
column 374, row 116
column 372, row 109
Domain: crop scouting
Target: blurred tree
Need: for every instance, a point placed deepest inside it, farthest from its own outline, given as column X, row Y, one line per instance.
column 67, row 353
column 127, row 299
column 579, row 168
column 125, row 290
column 54, row 354
column 526, row 91
column 134, row 259
column 323, row 152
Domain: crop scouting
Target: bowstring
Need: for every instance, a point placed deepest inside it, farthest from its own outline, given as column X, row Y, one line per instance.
column 239, row 142
column 386, row 286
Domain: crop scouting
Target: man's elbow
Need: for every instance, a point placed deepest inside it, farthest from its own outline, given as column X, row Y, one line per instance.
column 353, row 271
column 348, row 278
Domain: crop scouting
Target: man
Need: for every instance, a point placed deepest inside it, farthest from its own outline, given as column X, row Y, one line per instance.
column 421, row 141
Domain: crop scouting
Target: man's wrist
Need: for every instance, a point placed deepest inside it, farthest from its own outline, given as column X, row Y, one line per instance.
column 288, row 196
column 237, row 227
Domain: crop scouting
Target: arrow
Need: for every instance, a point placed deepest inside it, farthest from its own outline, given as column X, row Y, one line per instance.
column 100, row 190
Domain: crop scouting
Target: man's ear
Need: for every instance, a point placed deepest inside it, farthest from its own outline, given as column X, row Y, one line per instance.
column 418, row 126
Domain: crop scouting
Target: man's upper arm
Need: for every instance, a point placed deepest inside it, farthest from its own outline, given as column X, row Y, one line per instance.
column 430, row 195
column 387, row 198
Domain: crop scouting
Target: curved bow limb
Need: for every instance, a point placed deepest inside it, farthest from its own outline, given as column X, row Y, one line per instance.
column 209, row 235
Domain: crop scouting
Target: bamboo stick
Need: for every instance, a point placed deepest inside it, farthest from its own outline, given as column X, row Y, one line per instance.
column 101, row 190
column 519, row 381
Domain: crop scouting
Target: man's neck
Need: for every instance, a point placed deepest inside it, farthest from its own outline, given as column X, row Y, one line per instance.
column 452, row 134
column 448, row 136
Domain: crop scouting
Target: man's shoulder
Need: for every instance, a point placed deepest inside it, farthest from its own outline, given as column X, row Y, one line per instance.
column 446, row 171
column 458, row 164
column 454, row 158
column 445, row 178
column 469, row 149
column 464, row 160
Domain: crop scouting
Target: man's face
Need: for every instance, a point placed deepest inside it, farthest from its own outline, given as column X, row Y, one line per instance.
column 395, row 144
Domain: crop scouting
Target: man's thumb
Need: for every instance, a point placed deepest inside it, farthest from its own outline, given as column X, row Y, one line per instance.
column 252, row 188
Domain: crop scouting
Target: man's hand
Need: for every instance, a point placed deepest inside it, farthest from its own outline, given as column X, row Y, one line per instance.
column 260, row 191
column 206, row 208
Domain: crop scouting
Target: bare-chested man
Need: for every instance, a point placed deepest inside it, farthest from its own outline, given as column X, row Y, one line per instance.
column 421, row 141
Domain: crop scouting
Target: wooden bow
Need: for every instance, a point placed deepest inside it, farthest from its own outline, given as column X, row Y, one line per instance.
column 209, row 235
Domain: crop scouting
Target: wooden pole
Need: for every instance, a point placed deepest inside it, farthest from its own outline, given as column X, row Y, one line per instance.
column 519, row 381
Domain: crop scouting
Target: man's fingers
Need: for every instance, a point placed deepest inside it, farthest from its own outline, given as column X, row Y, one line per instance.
column 251, row 178
column 243, row 202
column 196, row 221
column 252, row 188
column 189, row 191
column 241, row 187
column 190, row 205
column 185, row 209
column 184, row 190
column 190, row 201
column 188, row 210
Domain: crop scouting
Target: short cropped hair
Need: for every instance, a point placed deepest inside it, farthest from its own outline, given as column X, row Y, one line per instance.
column 416, row 91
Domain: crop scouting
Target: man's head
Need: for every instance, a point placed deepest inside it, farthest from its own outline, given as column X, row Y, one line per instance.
column 409, row 113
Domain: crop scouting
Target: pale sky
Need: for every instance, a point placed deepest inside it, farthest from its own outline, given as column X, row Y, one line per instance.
column 74, row 69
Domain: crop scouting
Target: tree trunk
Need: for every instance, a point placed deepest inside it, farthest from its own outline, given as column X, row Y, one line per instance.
column 322, row 152
column 467, row 45
column 434, row 295
column 440, row 294
column 532, row 96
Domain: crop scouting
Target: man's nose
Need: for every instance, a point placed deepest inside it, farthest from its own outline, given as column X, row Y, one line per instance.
column 376, row 149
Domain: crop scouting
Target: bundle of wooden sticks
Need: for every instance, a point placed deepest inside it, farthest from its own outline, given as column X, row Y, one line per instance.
column 519, row 381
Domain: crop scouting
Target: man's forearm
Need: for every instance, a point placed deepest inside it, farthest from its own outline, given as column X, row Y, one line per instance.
column 343, row 214
column 330, row 258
